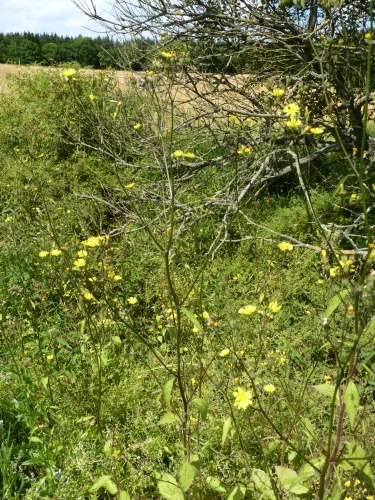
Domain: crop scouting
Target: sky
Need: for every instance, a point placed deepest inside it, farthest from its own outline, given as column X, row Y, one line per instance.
column 47, row 16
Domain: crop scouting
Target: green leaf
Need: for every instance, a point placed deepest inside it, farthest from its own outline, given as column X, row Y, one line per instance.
column 107, row 448
column 351, row 400
column 168, row 418
column 124, row 495
column 370, row 326
column 326, row 390
column 111, row 487
column 203, row 407
column 63, row 342
column 226, row 428
column 44, row 381
column 168, row 488
column 99, row 483
column 289, row 480
column 359, row 458
column 35, row 439
column 187, row 474
column 238, row 493
column 335, row 302
column 215, row 484
column 262, row 483
column 167, row 391
column 190, row 316
column 308, row 428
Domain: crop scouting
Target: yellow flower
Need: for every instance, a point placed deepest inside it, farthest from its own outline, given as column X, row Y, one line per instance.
column 195, row 330
column 368, row 36
column 244, row 150
column 92, row 241
column 137, row 126
column 247, row 310
column 291, row 109
column 69, row 72
column 167, row 55
column 178, row 153
column 55, row 252
column 347, row 484
column 132, row 300
column 270, row 388
column 130, row 186
column 190, row 155
column 116, row 453
column 232, row 118
column 348, row 498
column 43, row 254
column 285, row 246
column 357, row 482
column 88, row 296
column 193, row 381
column 50, row 357
column 350, row 309
column 79, row 263
column 243, row 398
column 278, row 93
column 150, row 73
column 117, row 277
column 333, row 271
column 224, row 353
column 82, row 253
column 92, row 97
column 274, row 306
column 205, row 315
column 293, row 123
column 316, row 130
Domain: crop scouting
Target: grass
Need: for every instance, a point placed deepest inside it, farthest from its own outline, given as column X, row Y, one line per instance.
column 120, row 365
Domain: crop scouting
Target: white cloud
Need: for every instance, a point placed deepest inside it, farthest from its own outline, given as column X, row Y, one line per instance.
column 47, row 16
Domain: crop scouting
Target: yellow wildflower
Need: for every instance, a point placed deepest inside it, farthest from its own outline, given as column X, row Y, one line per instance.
column 224, row 353
column 167, row 55
column 130, row 186
column 50, row 357
column 278, row 93
column 274, row 307
column 92, row 97
column 132, row 300
column 137, row 126
column 291, row 109
column 117, row 277
column 293, row 123
column 270, row 388
column 43, row 254
column 243, row 398
column 82, row 253
column 69, row 72
column 247, row 310
column 333, row 271
column 350, row 309
column 92, row 241
column 244, row 150
column 285, row 246
column 205, row 315
column 190, row 155
column 79, row 263
column 195, row 330
column 178, row 153
column 368, row 36
column 316, row 130
column 55, row 252
column 347, row 484
column 88, row 296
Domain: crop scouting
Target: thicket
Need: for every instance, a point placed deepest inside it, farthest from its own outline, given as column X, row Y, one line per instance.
column 187, row 266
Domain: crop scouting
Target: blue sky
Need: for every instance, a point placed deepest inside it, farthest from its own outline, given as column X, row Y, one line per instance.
column 49, row 16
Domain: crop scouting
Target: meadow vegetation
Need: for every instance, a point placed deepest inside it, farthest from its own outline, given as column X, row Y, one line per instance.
column 187, row 303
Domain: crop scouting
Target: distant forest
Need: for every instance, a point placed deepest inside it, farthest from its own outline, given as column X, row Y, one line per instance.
column 30, row 48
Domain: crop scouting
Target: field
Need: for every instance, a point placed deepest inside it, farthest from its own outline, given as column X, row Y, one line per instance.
column 161, row 338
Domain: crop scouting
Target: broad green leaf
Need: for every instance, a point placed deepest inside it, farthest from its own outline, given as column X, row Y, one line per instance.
column 272, row 447
column 226, row 428
column 289, row 480
column 370, row 326
column 238, row 493
column 124, row 495
column 262, row 483
column 190, row 316
column 99, row 483
column 44, row 381
column 351, row 400
column 63, row 342
column 187, row 474
column 107, row 448
column 168, row 418
column 35, row 439
column 203, row 407
column 116, row 340
column 359, row 458
column 167, row 391
column 110, row 487
column 215, row 484
column 308, row 470
column 308, row 428
column 335, row 302
column 326, row 390
column 168, row 488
